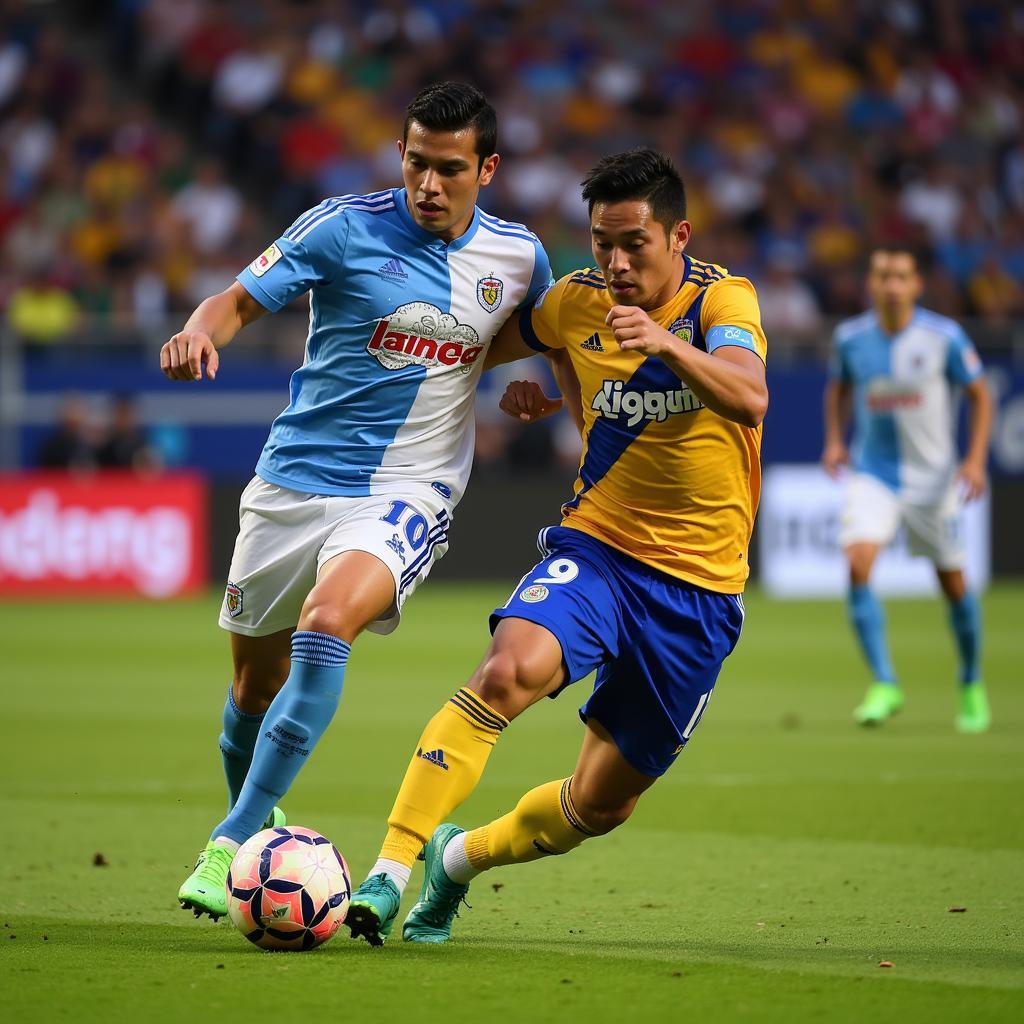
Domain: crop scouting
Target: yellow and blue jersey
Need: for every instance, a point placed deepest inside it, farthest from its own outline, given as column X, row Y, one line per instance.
column 662, row 478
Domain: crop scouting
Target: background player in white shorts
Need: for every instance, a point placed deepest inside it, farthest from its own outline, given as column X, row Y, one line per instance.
column 899, row 367
column 355, row 488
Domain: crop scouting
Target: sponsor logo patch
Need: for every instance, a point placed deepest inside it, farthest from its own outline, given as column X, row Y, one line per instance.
column 488, row 292
column 435, row 757
column 614, row 401
column 592, row 344
column 393, row 271
column 265, row 260
column 233, row 600
column 531, row 595
column 419, row 334
column 396, row 545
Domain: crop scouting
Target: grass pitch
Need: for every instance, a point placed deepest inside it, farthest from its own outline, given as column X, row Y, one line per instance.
column 766, row 877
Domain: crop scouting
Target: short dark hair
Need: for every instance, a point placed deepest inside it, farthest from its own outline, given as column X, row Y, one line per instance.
column 895, row 248
column 452, row 106
column 639, row 173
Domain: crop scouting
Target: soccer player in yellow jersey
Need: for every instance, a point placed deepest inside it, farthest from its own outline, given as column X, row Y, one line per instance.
column 661, row 358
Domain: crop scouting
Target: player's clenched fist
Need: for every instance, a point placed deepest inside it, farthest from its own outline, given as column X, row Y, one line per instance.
column 525, row 400
column 635, row 331
column 183, row 357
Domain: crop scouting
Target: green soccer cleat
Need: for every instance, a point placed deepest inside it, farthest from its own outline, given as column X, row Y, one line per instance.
column 882, row 701
column 430, row 919
column 975, row 715
column 204, row 891
column 373, row 909
column 275, row 819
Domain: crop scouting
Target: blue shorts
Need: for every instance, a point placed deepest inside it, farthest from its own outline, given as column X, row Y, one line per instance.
column 656, row 642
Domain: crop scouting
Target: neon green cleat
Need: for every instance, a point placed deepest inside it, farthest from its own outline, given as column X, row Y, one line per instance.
column 430, row 919
column 975, row 715
column 882, row 701
column 373, row 909
column 204, row 891
column 275, row 819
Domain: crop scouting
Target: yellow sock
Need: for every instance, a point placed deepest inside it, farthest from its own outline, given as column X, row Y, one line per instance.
column 544, row 822
column 448, row 763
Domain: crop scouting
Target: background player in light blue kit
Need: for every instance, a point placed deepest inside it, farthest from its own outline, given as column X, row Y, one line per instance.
column 899, row 366
column 354, row 491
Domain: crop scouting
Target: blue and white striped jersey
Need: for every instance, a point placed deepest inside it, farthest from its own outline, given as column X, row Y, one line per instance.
column 399, row 323
column 904, row 408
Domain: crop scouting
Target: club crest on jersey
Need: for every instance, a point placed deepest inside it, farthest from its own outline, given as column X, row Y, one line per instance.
column 265, row 260
column 419, row 334
column 488, row 292
column 233, row 600
column 682, row 328
column 533, row 594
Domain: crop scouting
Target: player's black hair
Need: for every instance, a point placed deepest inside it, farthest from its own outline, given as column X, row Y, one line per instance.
column 639, row 173
column 893, row 248
column 452, row 106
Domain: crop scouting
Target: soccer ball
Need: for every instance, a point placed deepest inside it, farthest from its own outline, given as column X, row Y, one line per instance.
column 288, row 888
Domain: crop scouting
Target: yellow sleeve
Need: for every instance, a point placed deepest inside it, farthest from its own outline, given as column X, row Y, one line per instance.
column 729, row 315
column 539, row 325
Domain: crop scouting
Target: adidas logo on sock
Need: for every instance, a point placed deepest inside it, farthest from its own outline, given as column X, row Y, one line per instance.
column 592, row 344
column 435, row 757
column 393, row 271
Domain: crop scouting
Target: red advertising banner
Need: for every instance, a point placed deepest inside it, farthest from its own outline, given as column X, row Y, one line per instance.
column 105, row 534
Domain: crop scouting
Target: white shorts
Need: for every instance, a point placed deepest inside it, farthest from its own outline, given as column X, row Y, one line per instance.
column 873, row 513
column 285, row 537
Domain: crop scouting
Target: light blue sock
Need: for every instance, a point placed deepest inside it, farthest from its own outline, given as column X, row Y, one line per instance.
column 294, row 723
column 236, row 745
column 868, row 617
column 965, row 618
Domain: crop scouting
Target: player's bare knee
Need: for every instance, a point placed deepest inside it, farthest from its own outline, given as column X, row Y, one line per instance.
column 504, row 683
column 254, row 687
column 322, row 617
column 604, row 818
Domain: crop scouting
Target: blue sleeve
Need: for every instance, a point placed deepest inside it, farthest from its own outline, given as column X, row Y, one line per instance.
column 541, row 279
column 962, row 362
column 309, row 254
column 839, row 363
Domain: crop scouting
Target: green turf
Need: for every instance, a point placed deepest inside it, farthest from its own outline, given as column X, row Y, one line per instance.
column 765, row 877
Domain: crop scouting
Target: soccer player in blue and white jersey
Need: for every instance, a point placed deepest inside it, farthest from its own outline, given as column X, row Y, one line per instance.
column 899, row 366
column 354, row 492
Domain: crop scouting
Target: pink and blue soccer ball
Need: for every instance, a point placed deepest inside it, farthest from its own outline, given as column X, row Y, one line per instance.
column 288, row 889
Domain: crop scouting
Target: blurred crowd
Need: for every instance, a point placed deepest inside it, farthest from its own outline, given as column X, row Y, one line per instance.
column 151, row 148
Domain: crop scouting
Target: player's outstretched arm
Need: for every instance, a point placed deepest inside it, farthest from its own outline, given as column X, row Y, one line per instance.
column 973, row 472
column 215, row 322
column 730, row 381
column 836, row 409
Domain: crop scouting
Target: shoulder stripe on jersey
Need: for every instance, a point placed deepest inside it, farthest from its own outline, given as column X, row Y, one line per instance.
column 589, row 283
column 855, row 323
column 508, row 234
column 507, row 225
column 330, row 203
column 334, row 206
column 344, row 208
column 937, row 322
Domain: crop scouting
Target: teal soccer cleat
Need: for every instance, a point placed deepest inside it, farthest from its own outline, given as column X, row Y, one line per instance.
column 430, row 920
column 373, row 909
